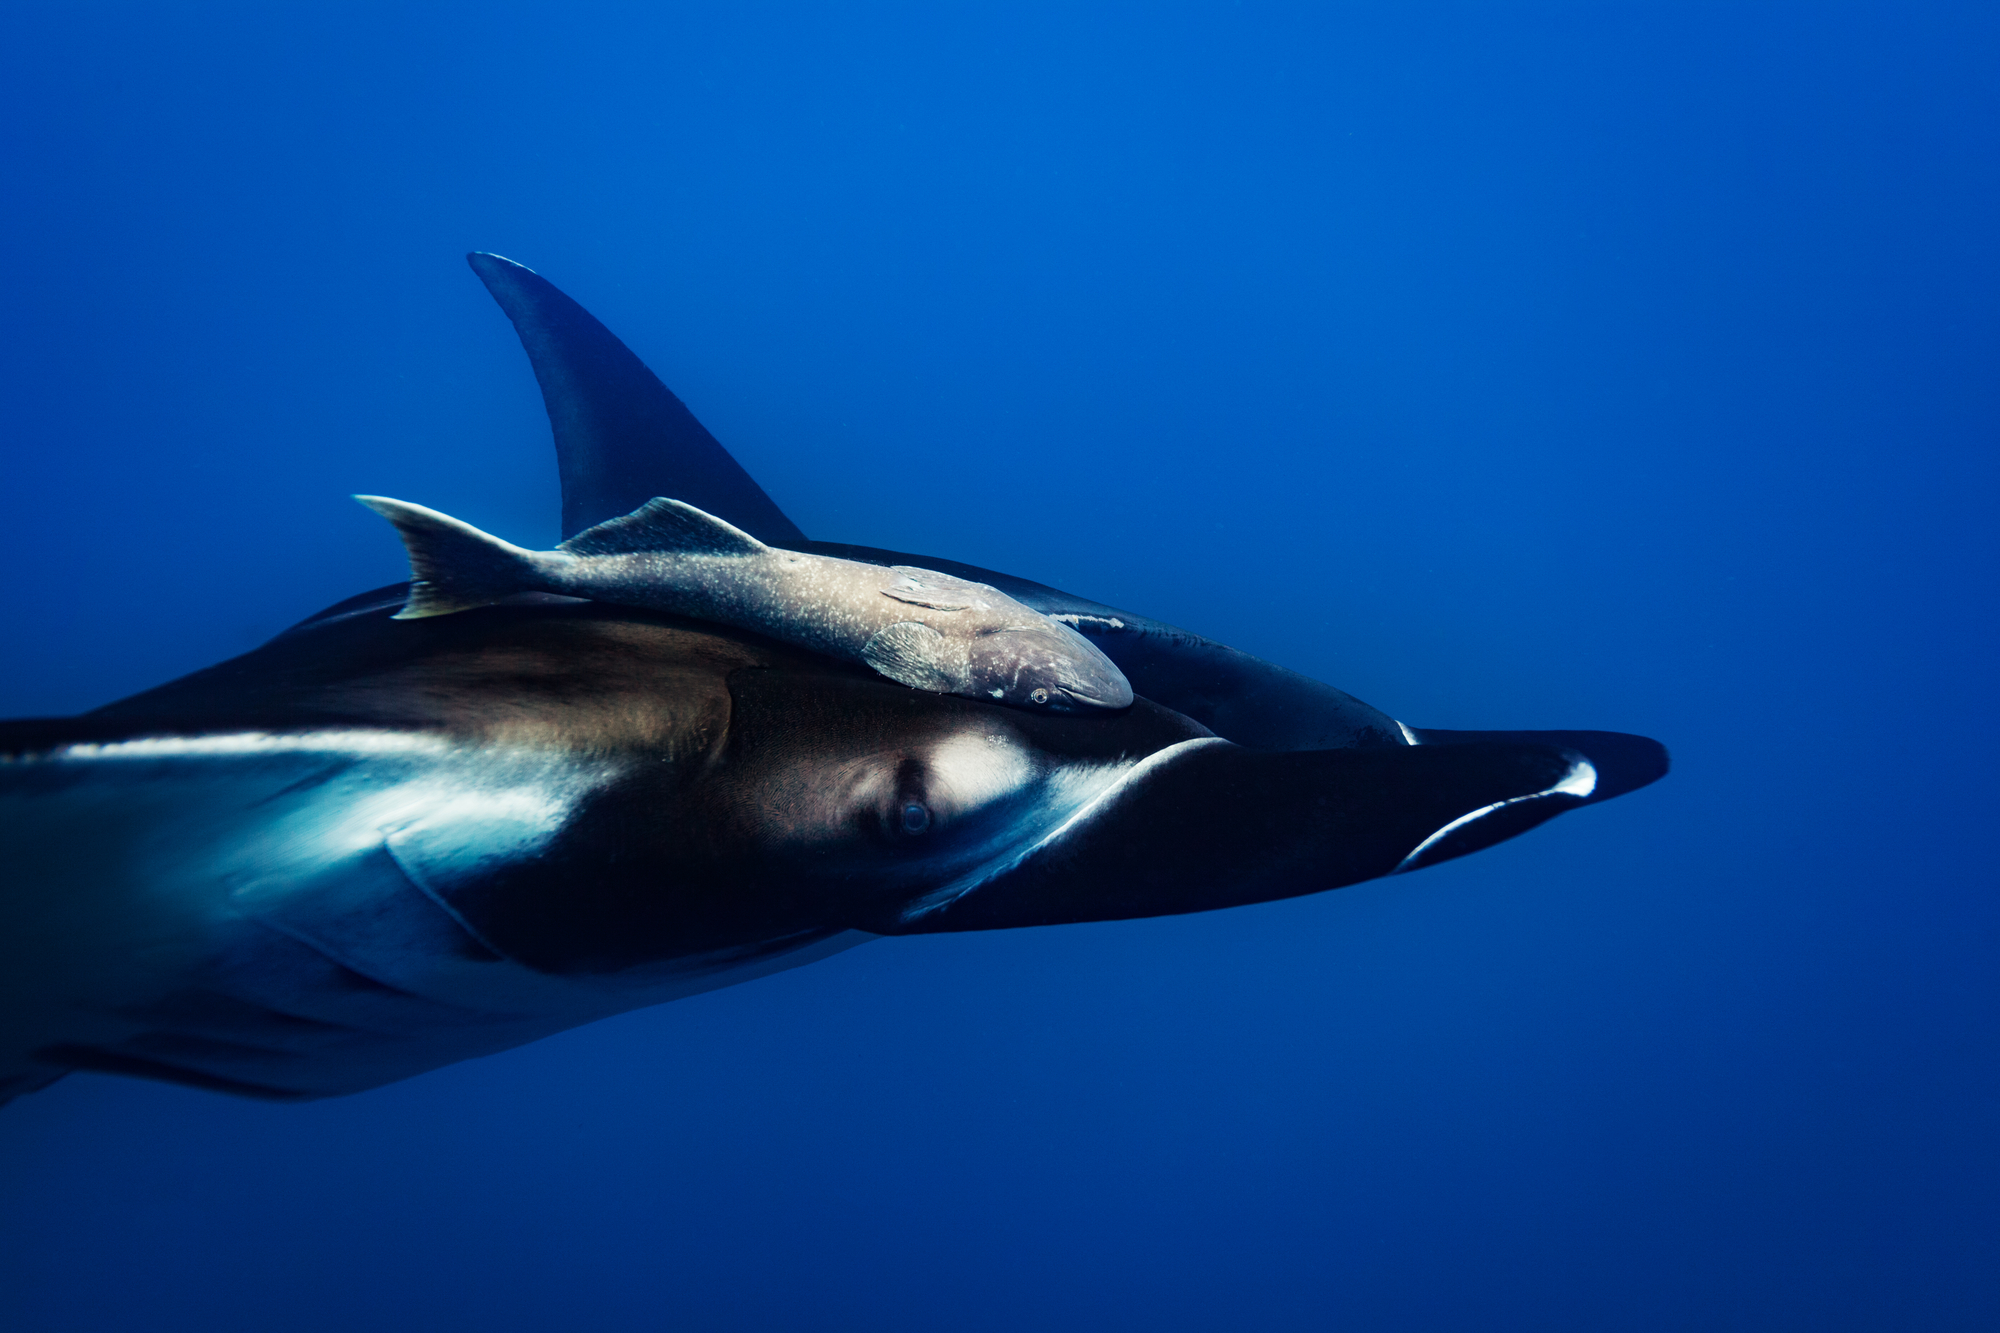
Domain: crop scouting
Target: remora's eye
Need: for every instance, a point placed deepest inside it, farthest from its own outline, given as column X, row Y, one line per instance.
column 916, row 817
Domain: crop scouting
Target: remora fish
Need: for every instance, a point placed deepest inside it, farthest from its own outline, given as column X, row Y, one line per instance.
column 918, row 627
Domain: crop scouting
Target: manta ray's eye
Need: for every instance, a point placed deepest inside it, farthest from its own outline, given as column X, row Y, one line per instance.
column 916, row 817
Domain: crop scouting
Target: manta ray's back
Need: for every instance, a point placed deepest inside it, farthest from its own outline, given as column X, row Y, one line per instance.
column 623, row 438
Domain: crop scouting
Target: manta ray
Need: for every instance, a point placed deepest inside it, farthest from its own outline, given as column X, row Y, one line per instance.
column 378, row 845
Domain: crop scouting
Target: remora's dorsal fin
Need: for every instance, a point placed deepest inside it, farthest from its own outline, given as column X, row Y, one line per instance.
column 668, row 527
column 621, row 436
column 453, row 565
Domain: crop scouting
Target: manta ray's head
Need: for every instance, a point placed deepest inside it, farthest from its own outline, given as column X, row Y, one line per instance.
column 736, row 794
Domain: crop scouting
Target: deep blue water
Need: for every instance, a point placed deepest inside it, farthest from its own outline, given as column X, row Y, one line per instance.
column 1621, row 365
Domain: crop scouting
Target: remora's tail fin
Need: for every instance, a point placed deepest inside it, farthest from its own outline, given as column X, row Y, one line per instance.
column 453, row 565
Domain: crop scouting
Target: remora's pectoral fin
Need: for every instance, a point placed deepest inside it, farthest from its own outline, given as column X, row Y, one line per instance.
column 1208, row 824
column 621, row 436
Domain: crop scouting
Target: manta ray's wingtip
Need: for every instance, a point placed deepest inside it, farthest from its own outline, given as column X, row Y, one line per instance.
column 621, row 435
column 485, row 261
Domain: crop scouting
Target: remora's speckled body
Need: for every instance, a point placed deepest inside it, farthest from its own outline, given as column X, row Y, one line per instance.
column 918, row 627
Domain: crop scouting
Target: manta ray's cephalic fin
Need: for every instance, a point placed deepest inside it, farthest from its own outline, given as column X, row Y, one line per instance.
column 622, row 438
column 1303, row 821
column 621, row 435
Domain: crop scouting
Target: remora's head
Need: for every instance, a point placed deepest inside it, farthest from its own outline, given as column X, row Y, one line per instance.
column 1046, row 667
column 972, row 639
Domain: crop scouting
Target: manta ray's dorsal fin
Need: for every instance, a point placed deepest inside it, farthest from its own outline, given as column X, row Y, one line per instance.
column 621, row 435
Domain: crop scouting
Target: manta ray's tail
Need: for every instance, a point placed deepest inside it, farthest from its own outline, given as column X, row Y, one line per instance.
column 453, row 565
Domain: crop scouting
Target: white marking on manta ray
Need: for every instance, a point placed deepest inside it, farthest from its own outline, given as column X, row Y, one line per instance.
column 1094, row 787
column 978, row 770
column 1075, row 620
column 479, row 802
column 1409, row 737
column 242, row 743
column 461, row 802
column 1580, row 781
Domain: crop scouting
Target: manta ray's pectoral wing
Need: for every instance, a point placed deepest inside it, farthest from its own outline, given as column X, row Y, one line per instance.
column 622, row 438
column 255, row 913
column 291, row 914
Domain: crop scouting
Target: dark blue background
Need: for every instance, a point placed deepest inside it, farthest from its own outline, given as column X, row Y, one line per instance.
column 1621, row 365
